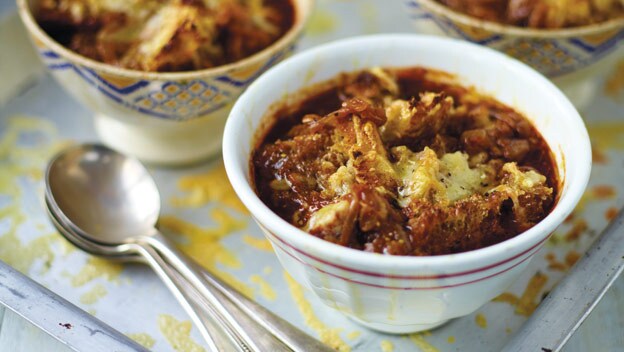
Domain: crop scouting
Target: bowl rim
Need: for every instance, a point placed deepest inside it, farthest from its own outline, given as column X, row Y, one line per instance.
column 303, row 10
column 496, row 27
column 378, row 262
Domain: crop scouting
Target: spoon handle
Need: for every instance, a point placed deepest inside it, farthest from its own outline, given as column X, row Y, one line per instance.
column 224, row 315
column 288, row 334
column 178, row 290
column 264, row 340
column 284, row 331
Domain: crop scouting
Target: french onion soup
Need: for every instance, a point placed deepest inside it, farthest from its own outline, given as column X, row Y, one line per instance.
column 166, row 35
column 545, row 14
column 403, row 161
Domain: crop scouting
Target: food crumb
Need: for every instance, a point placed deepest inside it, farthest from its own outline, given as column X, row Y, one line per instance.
column 572, row 257
column 258, row 243
column 23, row 161
column 508, row 330
column 66, row 325
column 481, row 321
column 420, row 342
column 354, row 335
column 327, row 335
column 200, row 190
column 197, row 241
column 178, row 334
column 96, row 268
column 576, row 231
column 387, row 346
column 527, row 302
column 92, row 296
column 321, row 22
column 507, row 297
column 554, row 264
column 604, row 192
column 569, row 218
column 599, row 192
column 598, row 156
column 266, row 290
column 611, row 213
column 555, row 238
column 450, row 339
column 614, row 85
column 143, row 339
column 607, row 135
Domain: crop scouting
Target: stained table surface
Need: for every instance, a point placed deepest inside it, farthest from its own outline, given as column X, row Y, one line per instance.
column 37, row 117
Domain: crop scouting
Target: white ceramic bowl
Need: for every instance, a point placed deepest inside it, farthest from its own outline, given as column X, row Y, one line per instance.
column 400, row 294
column 166, row 118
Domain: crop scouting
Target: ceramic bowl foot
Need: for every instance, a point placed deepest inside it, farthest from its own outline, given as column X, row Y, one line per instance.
column 172, row 143
column 398, row 329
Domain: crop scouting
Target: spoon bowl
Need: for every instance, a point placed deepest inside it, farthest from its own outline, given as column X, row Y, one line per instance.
column 115, row 253
column 106, row 196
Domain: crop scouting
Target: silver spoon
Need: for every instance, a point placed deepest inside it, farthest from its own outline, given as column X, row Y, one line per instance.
column 112, row 200
column 266, row 341
column 169, row 277
column 108, row 194
column 282, row 336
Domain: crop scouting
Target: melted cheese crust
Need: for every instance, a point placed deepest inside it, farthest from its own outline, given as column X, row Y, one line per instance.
column 429, row 175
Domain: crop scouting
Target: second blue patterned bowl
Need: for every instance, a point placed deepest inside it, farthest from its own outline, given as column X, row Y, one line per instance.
column 571, row 57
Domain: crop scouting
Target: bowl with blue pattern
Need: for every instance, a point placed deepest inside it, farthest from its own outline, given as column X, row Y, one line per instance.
column 570, row 57
column 160, row 117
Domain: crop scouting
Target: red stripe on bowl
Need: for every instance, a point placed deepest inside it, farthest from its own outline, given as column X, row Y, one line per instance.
column 406, row 277
column 406, row 288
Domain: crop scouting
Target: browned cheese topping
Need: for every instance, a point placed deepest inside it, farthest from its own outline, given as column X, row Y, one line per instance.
column 405, row 162
column 166, row 35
